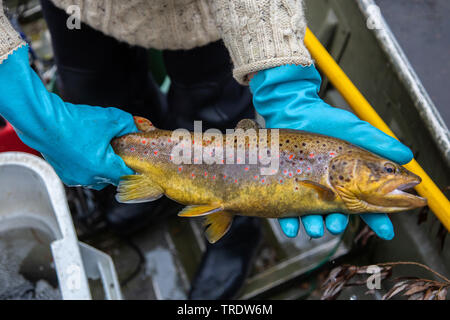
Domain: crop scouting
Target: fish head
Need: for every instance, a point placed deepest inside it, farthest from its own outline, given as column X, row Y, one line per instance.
column 369, row 183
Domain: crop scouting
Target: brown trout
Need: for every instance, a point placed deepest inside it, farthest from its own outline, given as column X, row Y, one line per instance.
column 316, row 174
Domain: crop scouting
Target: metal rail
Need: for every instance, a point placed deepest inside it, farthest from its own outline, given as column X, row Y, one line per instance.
column 437, row 201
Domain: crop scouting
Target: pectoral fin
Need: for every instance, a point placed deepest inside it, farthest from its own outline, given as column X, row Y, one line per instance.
column 324, row 192
column 138, row 188
column 217, row 225
column 199, row 211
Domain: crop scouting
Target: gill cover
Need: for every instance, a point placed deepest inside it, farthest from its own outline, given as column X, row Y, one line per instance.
column 368, row 183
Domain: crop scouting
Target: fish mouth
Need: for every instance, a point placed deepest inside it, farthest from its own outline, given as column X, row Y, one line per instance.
column 400, row 197
column 405, row 189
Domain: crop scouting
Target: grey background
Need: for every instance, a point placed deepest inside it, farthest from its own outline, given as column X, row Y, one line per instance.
column 422, row 27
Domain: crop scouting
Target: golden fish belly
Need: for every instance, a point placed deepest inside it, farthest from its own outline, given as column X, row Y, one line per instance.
column 250, row 194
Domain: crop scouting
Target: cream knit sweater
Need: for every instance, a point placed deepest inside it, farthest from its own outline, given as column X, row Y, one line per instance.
column 259, row 34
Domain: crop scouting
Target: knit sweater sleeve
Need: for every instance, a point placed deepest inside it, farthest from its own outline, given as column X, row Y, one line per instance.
column 10, row 40
column 261, row 34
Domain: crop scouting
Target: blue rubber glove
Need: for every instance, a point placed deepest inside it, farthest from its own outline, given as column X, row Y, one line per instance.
column 287, row 97
column 74, row 139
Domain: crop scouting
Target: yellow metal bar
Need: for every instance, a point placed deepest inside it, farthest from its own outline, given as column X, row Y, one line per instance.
column 437, row 201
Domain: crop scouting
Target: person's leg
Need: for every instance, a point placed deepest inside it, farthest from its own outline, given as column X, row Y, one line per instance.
column 96, row 69
column 203, row 88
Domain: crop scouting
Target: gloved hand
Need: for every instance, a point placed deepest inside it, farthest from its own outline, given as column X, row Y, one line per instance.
column 74, row 139
column 287, row 97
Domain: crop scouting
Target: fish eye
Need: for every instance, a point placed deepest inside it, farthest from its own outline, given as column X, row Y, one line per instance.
column 389, row 167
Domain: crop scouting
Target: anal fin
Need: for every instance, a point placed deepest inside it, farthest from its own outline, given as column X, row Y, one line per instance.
column 138, row 188
column 217, row 225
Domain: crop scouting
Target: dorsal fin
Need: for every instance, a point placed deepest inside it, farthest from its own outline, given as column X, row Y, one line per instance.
column 245, row 124
column 143, row 124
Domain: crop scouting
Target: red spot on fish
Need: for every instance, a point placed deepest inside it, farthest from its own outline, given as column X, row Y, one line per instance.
column 235, row 180
column 256, row 177
column 214, row 177
column 296, row 188
column 299, row 170
column 311, row 155
column 193, row 175
column 171, row 157
column 223, row 161
column 169, row 141
column 290, row 174
column 224, row 176
column 155, row 152
column 246, row 168
column 281, row 180
column 291, row 156
column 308, row 168
column 284, row 171
column 180, row 168
column 238, row 160
column 263, row 180
column 332, row 153
column 206, row 174
column 144, row 141
column 132, row 149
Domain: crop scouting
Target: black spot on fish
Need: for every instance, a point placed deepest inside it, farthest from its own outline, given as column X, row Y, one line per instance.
column 287, row 141
column 341, row 178
column 303, row 144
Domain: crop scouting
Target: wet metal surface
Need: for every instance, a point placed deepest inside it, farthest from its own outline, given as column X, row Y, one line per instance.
column 172, row 250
